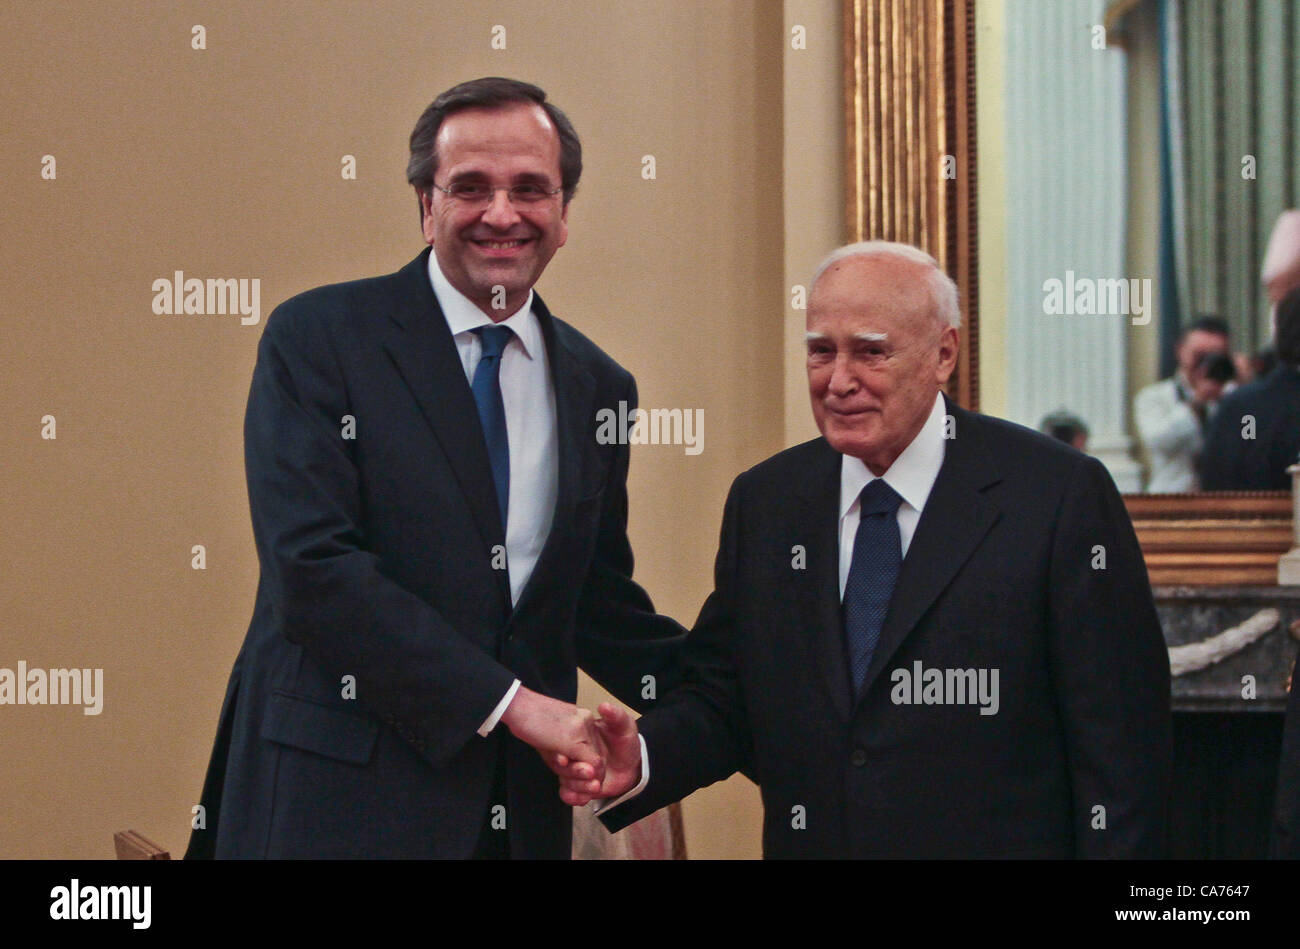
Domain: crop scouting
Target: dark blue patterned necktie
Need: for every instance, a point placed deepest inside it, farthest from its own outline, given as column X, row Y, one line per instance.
column 492, row 411
column 877, row 557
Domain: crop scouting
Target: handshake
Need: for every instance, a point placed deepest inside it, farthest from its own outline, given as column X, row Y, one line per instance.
column 594, row 756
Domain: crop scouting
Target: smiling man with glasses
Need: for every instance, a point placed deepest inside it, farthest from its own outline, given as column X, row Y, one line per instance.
column 494, row 192
column 442, row 539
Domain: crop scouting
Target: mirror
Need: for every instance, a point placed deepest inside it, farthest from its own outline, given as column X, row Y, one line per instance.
column 1071, row 184
column 1148, row 150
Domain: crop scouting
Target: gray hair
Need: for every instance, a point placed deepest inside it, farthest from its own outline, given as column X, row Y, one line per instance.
column 943, row 291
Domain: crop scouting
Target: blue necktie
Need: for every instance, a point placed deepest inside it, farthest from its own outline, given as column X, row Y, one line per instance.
column 877, row 557
column 492, row 411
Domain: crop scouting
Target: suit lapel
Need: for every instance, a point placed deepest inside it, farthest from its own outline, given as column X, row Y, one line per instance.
column 425, row 355
column 817, row 590
column 955, row 520
column 574, row 427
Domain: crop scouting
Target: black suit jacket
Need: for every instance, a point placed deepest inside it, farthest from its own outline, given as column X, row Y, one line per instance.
column 1230, row 462
column 376, row 563
column 999, row 575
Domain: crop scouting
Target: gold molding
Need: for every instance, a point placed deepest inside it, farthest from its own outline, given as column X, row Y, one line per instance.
column 1221, row 539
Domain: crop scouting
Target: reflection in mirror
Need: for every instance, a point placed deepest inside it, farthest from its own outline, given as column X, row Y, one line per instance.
column 1150, row 151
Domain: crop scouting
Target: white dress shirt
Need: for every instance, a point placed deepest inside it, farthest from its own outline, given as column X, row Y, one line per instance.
column 529, row 399
column 912, row 475
column 1171, row 433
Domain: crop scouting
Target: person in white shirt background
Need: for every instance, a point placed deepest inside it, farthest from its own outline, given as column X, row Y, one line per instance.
column 1171, row 414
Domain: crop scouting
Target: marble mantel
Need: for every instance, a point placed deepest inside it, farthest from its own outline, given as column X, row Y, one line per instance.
column 1264, row 621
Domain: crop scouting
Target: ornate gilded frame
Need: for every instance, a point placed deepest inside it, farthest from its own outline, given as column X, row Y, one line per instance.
column 911, row 175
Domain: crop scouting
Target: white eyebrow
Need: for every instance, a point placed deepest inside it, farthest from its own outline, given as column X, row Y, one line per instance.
column 863, row 337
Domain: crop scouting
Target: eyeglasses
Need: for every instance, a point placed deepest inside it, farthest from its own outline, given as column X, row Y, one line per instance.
column 480, row 194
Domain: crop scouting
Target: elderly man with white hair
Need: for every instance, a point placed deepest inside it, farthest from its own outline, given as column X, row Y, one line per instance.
column 931, row 633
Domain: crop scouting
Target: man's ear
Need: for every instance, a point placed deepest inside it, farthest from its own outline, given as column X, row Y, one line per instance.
column 426, row 214
column 564, row 225
column 948, row 345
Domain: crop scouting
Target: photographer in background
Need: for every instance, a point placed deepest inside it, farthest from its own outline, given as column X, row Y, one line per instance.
column 1171, row 414
column 1220, row 374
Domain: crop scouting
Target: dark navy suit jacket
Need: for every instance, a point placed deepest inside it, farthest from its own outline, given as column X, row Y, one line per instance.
column 376, row 558
column 1230, row 462
column 1023, row 561
column 1285, row 840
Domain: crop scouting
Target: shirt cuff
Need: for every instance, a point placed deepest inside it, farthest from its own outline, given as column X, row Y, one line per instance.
column 640, row 785
column 490, row 722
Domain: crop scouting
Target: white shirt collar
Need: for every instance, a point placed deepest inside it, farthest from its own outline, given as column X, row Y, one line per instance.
column 912, row 474
column 463, row 316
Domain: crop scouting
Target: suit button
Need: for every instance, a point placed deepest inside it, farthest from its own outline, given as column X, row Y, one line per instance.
column 858, row 758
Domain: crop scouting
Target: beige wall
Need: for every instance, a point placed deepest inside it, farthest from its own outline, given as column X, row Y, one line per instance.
column 814, row 180
column 225, row 163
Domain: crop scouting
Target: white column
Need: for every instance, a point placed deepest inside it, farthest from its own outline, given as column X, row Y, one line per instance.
column 1065, row 188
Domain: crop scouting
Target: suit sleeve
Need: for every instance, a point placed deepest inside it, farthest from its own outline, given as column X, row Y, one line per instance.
column 1284, row 843
column 1219, row 451
column 699, row 733
column 329, row 594
column 620, row 639
column 1110, row 669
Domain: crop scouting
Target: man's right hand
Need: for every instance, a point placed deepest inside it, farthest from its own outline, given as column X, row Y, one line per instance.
column 564, row 735
column 622, row 754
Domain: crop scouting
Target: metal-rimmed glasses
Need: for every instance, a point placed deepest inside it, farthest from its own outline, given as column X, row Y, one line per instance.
column 480, row 193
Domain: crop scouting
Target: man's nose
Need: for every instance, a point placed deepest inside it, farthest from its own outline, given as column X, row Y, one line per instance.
column 500, row 212
column 843, row 382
